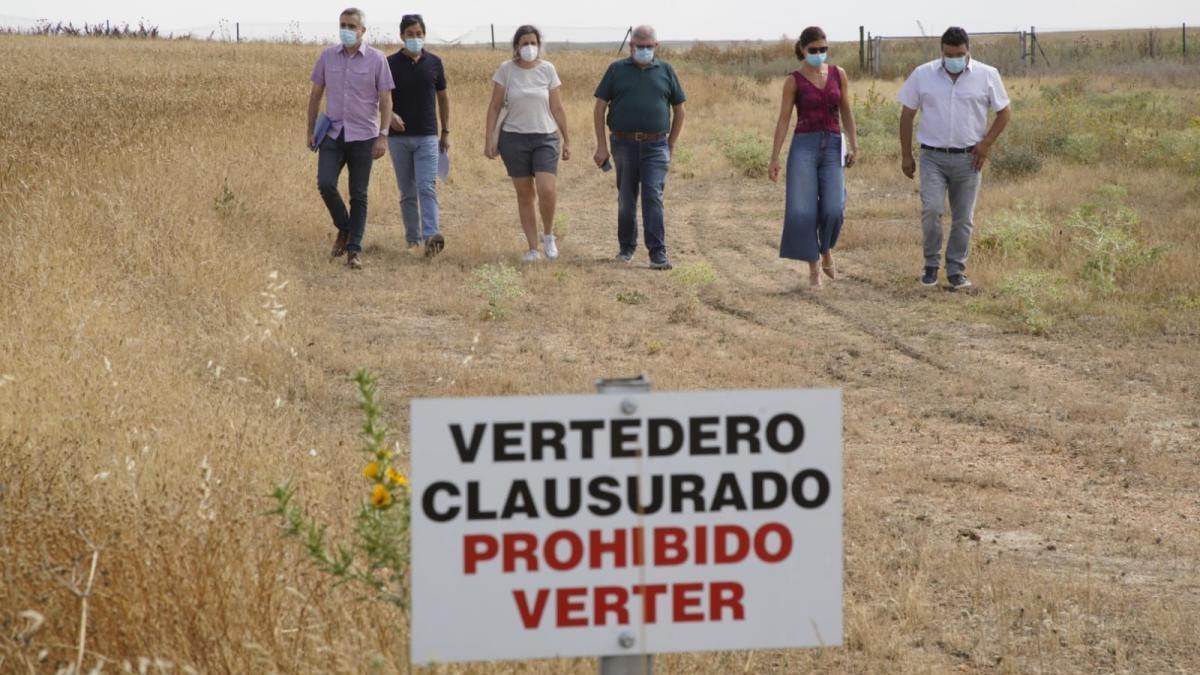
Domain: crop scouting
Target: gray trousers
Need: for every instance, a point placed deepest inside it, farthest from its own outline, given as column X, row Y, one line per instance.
column 943, row 173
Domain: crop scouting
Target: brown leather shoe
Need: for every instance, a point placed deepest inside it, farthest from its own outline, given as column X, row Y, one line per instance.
column 339, row 244
column 354, row 261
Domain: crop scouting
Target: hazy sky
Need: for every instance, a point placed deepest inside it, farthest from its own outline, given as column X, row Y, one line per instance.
column 675, row 19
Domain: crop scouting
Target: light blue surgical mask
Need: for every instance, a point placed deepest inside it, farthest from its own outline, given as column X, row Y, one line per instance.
column 414, row 45
column 643, row 55
column 348, row 37
column 954, row 65
column 815, row 60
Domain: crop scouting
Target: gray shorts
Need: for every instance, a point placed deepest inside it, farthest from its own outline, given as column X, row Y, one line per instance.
column 527, row 154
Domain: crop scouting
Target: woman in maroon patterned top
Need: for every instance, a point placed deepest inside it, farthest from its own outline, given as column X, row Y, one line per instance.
column 816, row 188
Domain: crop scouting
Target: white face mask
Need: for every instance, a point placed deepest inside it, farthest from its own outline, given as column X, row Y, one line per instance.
column 529, row 53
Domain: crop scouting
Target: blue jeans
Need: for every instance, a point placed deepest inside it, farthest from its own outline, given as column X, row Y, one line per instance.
column 332, row 156
column 415, row 159
column 816, row 196
column 641, row 165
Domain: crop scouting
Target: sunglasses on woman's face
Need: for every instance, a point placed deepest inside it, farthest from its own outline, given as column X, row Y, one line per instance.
column 817, row 50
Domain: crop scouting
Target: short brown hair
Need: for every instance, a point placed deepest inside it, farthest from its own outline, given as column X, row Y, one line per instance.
column 808, row 36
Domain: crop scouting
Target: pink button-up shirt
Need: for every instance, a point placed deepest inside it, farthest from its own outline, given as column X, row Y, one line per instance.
column 352, row 87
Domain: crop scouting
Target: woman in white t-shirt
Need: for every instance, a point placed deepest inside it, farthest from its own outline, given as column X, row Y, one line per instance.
column 527, row 90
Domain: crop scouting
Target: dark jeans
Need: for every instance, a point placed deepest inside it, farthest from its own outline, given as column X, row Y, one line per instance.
column 641, row 165
column 335, row 154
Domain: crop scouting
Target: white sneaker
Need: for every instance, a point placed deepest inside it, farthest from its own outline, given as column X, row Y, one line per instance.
column 531, row 255
column 550, row 247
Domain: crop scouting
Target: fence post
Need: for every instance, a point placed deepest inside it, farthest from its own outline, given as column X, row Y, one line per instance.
column 1185, row 39
column 1024, row 51
column 862, row 50
column 1032, row 44
column 493, row 36
column 237, row 32
column 635, row 663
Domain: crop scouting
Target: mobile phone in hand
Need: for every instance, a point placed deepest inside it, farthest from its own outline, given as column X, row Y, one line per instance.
column 607, row 165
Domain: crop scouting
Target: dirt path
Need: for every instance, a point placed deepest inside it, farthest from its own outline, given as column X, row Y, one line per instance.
column 1010, row 499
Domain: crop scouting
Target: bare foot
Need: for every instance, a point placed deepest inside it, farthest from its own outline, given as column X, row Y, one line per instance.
column 828, row 266
column 814, row 277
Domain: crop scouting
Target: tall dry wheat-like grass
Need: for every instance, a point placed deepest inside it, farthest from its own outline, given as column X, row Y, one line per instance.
column 173, row 342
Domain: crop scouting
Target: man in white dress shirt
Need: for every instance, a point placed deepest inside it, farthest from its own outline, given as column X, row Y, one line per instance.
column 953, row 95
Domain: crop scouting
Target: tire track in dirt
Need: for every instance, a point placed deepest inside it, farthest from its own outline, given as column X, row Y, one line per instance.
column 1061, row 387
column 1078, row 425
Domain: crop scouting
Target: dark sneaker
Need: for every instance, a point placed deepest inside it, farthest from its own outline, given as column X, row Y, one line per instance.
column 625, row 256
column 434, row 245
column 659, row 261
column 339, row 244
column 930, row 278
column 354, row 261
column 959, row 281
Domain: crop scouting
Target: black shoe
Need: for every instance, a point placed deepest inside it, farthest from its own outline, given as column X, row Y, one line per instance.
column 659, row 261
column 625, row 256
column 930, row 278
column 959, row 281
column 434, row 245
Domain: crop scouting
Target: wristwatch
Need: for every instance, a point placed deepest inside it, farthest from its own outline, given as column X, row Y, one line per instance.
column 383, row 131
column 445, row 131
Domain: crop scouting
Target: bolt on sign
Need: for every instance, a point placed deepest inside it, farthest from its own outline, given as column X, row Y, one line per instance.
column 598, row 525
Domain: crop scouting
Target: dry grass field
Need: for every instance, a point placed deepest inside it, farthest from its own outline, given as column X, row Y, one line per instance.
column 1021, row 460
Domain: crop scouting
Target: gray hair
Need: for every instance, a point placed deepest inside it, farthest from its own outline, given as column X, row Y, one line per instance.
column 645, row 33
column 354, row 11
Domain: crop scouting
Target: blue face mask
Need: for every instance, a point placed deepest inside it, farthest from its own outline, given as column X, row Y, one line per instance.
column 815, row 59
column 954, row 65
column 414, row 45
column 349, row 38
column 643, row 55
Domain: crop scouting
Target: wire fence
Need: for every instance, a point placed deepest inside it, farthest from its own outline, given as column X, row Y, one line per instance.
column 886, row 56
column 309, row 32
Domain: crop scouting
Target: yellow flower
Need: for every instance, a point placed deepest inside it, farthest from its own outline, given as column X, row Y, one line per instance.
column 381, row 497
column 396, row 477
column 372, row 470
column 383, row 455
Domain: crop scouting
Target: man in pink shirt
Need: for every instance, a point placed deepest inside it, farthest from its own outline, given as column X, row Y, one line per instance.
column 356, row 83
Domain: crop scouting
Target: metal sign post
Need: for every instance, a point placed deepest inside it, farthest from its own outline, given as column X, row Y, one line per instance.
column 632, row 664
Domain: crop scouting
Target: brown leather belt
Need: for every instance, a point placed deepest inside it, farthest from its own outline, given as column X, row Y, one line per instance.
column 639, row 135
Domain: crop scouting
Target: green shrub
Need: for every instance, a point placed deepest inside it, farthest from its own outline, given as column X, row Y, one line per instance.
column 693, row 276
column 499, row 284
column 634, row 297
column 1015, row 233
column 1019, row 161
column 1030, row 292
column 1103, row 232
column 747, row 151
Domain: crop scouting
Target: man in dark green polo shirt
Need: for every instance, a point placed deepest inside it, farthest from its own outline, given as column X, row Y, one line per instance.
column 640, row 94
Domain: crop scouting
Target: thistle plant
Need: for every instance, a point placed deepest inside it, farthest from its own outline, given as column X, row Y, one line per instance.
column 376, row 552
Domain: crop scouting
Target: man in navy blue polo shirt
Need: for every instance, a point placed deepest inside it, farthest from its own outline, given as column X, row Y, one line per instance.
column 644, row 102
column 418, row 102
